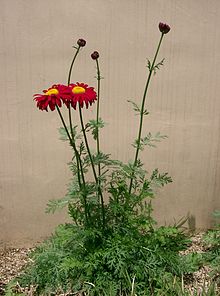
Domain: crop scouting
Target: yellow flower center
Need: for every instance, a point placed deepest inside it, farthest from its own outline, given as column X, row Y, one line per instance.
column 78, row 90
column 52, row 91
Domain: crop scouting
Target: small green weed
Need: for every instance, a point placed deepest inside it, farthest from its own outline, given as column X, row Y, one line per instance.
column 212, row 242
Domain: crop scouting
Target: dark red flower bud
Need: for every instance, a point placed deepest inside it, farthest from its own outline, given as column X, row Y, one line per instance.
column 95, row 55
column 164, row 28
column 81, row 42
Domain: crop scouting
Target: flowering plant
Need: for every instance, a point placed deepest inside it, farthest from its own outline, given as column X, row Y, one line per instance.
column 87, row 198
column 113, row 229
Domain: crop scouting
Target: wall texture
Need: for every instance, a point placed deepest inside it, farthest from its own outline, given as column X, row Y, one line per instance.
column 36, row 40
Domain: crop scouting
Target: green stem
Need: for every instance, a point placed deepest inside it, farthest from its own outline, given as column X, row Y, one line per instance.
column 97, row 120
column 68, row 82
column 79, row 162
column 64, row 124
column 72, row 143
column 69, row 107
column 70, row 122
column 71, row 66
column 87, row 144
column 97, row 112
column 92, row 164
column 78, row 159
column 142, row 110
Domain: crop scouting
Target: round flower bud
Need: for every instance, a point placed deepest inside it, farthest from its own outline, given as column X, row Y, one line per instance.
column 164, row 28
column 95, row 55
column 81, row 42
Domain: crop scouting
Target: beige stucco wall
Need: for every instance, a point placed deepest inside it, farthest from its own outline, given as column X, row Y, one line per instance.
column 36, row 38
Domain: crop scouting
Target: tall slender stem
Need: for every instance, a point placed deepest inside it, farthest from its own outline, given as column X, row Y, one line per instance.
column 92, row 164
column 78, row 159
column 79, row 162
column 69, row 108
column 68, row 82
column 142, row 111
column 72, row 143
column 97, row 120
column 97, row 112
column 64, row 124
column 71, row 66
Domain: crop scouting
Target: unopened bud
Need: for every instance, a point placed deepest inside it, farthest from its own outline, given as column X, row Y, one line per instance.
column 81, row 42
column 164, row 28
column 95, row 55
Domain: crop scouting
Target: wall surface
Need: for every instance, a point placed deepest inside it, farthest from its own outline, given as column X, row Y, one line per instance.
column 36, row 40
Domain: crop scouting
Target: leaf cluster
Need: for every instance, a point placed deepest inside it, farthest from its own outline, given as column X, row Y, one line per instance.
column 155, row 67
column 137, row 109
column 94, row 126
column 149, row 140
column 211, row 240
column 85, row 261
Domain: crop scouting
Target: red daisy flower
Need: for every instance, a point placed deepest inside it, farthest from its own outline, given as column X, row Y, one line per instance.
column 81, row 93
column 52, row 97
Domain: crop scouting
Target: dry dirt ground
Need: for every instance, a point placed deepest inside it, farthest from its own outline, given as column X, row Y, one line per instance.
column 12, row 261
column 201, row 278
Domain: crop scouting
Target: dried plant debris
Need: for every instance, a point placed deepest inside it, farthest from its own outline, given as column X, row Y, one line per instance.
column 199, row 280
column 197, row 245
column 12, row 261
